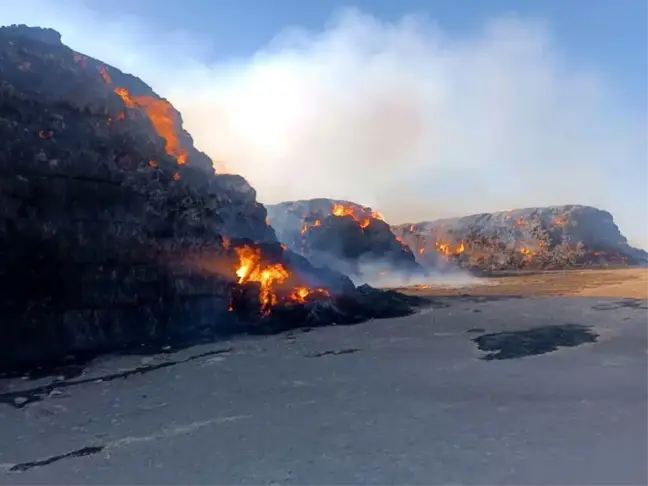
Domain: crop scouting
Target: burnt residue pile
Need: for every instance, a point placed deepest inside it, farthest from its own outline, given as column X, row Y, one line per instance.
column 555, row 237
column 116, row 232
column 342, row 235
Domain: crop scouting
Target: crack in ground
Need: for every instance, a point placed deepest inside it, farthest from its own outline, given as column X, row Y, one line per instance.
column 85, row 451
column 535, row 341
column 20, row 399
column 122, row 442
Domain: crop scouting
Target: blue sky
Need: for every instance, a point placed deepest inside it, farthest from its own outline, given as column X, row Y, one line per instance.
column 608, row 35
column 420, row 109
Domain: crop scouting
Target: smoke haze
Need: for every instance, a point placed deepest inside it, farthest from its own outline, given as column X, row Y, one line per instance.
column 399, row 116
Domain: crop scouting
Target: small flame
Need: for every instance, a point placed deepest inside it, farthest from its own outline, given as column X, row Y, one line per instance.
column 306, row 226
column 45, row 134
column 447, row 249
column 103, row 72
column 300, row 293
column 421, row 251
column 153, row 163
column 176, row 176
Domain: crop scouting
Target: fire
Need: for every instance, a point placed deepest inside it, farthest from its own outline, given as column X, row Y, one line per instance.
column 447, row 249
column 252, row 269
column 421, row 251
column 526, row 251
column 176, row 176
column 411, row 228
column 306, row 226
column 341, row 210
column 153, row 163
column 45, row 134
column 161, row 115
column 103, row 72
column 300, row 293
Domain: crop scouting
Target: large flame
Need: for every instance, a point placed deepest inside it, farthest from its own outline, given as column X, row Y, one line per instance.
column 252, row 268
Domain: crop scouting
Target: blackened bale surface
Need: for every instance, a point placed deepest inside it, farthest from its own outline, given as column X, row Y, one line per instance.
column 114, row 233
column 341, row 235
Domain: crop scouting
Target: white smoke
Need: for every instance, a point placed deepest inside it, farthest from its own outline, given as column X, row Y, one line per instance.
column 398, row 116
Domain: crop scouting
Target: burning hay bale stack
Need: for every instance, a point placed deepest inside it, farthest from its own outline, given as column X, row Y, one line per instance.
column 342, row 235
column 535, row 238
column 114, row 230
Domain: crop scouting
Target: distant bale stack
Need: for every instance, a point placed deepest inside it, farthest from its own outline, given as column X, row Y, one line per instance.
column 549, row 238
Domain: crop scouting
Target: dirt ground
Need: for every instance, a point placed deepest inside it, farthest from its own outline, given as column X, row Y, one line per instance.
column 622, row 283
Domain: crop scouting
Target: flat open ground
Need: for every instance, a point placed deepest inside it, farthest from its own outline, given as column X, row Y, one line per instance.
column 475, row 390
column 618, row 283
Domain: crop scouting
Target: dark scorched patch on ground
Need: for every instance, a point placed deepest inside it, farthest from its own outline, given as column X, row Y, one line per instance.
column 539, row 340
column 22, row 398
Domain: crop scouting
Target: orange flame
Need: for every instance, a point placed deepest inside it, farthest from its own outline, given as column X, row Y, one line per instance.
column 176, row 176
column 341, row 210
column 447, row 249
column 161, row 114
column 526, row 251
column 252, row 269
column 300, row 293
column 103, row 72
column 306, row 226
column 153, row 163
column 421, row 251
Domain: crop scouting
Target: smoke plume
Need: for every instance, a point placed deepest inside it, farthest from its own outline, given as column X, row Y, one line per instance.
column 402, row 116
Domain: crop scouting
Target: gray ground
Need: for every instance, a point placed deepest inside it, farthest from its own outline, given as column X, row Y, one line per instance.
column 395, row 401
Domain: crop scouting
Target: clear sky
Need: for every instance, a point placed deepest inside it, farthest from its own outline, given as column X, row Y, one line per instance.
column 419, row 108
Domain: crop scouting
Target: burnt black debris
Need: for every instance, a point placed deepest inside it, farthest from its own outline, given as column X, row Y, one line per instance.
column 115, row 231
column 539, row 340
column 553, row 237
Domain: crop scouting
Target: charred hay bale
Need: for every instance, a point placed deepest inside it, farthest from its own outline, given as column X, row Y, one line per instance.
column 341, row 235
column 114, row 229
